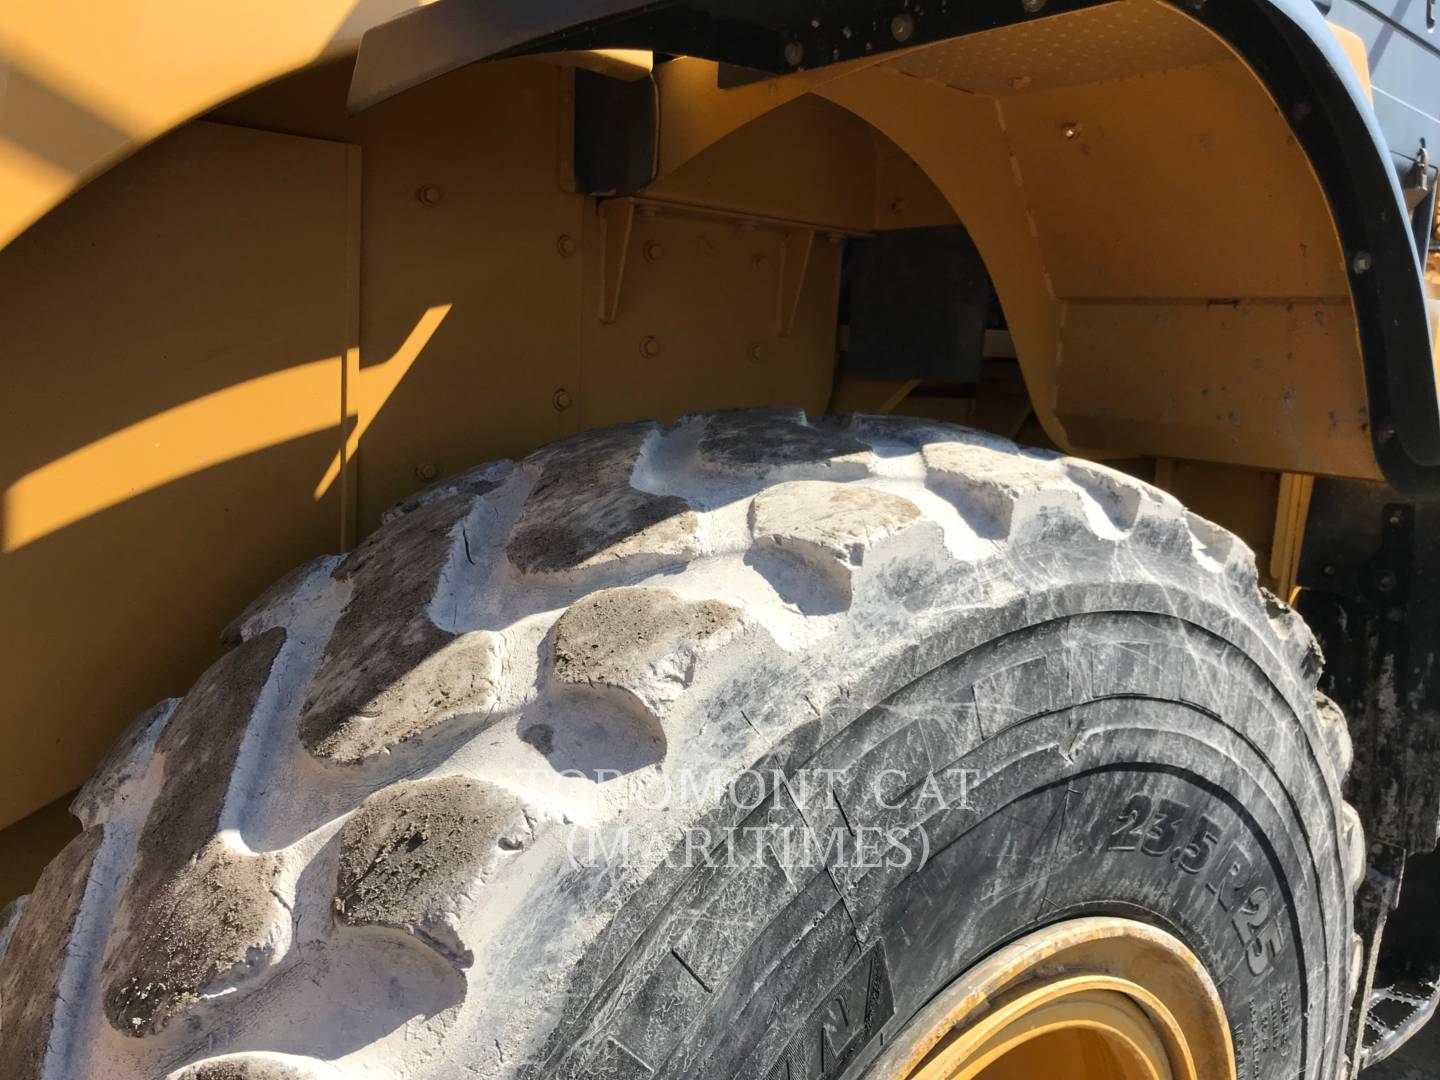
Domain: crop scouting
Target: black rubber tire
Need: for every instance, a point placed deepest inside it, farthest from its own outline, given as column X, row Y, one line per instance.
column 568, row 770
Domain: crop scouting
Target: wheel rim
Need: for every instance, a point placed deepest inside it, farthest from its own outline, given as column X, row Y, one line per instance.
column 1087, row 999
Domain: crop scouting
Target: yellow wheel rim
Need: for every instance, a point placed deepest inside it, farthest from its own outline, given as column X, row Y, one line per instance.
column 1088, row 999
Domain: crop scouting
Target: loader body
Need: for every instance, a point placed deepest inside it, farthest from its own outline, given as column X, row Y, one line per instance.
column 261, row 264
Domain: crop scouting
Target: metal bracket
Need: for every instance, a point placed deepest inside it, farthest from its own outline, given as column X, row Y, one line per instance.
column 794, row 261
column 617, row 220
column 1292, row 508
column 797, row 241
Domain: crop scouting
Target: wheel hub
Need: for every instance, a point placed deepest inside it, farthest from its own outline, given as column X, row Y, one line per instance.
column 1087, row 999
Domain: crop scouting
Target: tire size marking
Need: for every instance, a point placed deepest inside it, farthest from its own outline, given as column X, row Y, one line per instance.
column 1163, row 828
column 1154, row 827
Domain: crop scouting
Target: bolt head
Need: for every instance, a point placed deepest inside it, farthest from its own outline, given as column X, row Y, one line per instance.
column 430, row 194
column 566, row 245
column 426, row 471
column 1397, row 517
column 1070, row 129
column 1386, row 581
column 757, row 353
column 654, row 251
column 1032, row 6
column 650, row 346
column 561, row 399
column 794, row 53
column 1328, row 570
column 902, row 27
column 1362, row 262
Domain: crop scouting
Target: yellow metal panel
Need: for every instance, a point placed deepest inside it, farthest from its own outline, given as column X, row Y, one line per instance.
column 671, row 349
column 870, row 395
column 522, row 356
column 1292, row 509
column 695, row 113
column 350, row 371
column 471, row 267
column 82, row 84
column 1182, row 183
column 1285, row 394
column 624, row 64
column 1179, row 198
column 1107, row 43
column 807, row 160
column 1243, row 500
column 958, row 140
column 169, row 398
column 494, row 249
column 905, row 198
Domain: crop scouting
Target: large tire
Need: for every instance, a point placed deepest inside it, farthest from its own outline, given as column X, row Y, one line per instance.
column 439, row 811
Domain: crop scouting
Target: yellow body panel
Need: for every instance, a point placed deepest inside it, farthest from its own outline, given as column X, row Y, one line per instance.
column 1087, row 203
column 84, row 84
column 165, row 418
